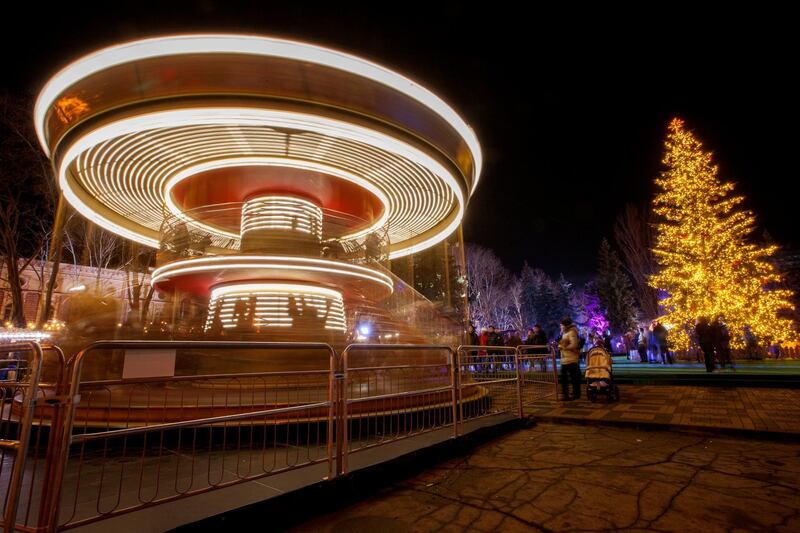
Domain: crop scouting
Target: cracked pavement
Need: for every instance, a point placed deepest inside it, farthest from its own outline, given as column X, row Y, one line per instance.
column 555, row 477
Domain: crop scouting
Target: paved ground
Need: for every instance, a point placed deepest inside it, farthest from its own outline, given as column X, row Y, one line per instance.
column 556, row 477
column 743, row 408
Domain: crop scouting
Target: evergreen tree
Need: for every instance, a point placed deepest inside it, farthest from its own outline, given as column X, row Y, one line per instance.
column 565, row 297
column 541, row 299
column 592, row 311
column 709, row 266
column 615, row 291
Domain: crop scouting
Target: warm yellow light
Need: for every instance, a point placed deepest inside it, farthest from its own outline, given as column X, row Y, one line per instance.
column 69, row 108
column 269, row 305
column 281, row 213
column 709, row 265
column 230, row 162
column 421, row 191
column 262, row 262
column 250, row 45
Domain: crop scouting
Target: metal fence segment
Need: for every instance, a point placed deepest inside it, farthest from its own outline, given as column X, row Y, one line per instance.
column 166, row 438
column 487, row 382
column 538, row 373
column 76, row 450
column 387, row 399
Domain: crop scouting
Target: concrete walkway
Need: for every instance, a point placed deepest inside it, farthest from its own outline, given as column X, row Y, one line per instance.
column 556, row 477
column 729, row 408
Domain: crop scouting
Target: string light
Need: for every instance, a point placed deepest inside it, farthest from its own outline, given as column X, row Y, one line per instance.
column 246, row 45
column 269, row 266
column 709, row 266
column 117, row 175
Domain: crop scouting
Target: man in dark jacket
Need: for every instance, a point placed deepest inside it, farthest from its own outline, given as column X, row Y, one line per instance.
column 494, row 339
column 537, row 337
column 472, row 336
column 660, row 336
column 705, row 338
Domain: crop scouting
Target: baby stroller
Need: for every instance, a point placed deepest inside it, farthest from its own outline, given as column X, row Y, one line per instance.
column 600, row 376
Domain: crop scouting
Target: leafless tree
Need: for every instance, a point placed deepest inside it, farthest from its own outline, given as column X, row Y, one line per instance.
column 633, row 232
column 516, row 296
column 103, row 251
column 488, row 282
column 27, row 197
column 139, row 292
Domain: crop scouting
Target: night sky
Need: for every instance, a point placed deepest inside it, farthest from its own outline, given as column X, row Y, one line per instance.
column 571, row 108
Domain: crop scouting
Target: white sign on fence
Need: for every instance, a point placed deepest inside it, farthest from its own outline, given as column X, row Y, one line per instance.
column 148, row 363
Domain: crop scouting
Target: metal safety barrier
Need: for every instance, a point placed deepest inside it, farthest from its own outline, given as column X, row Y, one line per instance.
column 538, row 372
column 488, row 382
column 105, row 447
column 185, row 435
column 385, row 400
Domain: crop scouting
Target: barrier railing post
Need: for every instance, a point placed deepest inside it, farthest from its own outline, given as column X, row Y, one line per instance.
column 333, row 469
column 454, row 382
column 341, row 441
column 62, row 438
column 519, row 383
column 459, row 393
column 555, row 372
column 26, row 423
column 53, row 440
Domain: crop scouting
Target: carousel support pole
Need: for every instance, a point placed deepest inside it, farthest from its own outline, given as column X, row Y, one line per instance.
column 447, row 274
column 466, row 279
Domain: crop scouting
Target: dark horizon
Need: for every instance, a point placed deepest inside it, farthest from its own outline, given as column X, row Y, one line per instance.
column 571, row 117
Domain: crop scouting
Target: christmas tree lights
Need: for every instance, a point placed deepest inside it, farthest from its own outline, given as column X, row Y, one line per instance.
column 708, row 265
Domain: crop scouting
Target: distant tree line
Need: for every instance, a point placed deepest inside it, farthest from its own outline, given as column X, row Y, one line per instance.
column 517, row 301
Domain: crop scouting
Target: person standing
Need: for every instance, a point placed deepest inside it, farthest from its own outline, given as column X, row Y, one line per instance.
column 472, row 336
column 570, row 354
column 494, row 339
column 705, row 338
column 722, row 341
column 607, row 341
column 515, row 339
column 642, row 345
column 537, row 337
column 483, row 340
column 660, row 336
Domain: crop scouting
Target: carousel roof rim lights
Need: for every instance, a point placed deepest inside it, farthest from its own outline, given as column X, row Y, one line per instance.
column 215, row 263
column 227, row 116
column 255, row 45
column 271, row 161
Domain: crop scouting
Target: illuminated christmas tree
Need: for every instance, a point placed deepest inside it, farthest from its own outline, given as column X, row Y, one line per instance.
column 708, row 265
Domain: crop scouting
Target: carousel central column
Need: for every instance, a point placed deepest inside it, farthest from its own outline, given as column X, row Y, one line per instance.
column 273, row 224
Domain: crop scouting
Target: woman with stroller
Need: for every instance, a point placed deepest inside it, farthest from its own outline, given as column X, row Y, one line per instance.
column 570, row 357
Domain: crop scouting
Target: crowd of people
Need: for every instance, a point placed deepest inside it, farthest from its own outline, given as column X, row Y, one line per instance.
column 490, row 336
column 649, row 343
